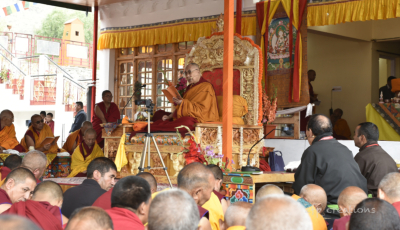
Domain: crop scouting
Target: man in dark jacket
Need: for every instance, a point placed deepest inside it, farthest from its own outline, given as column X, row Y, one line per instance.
column 373, row 161
column 101, row 174
column 327, row 163
column 80, row 117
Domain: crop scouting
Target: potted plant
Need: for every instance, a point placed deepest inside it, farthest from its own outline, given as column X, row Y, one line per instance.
column 269, row 112
column 4, row 75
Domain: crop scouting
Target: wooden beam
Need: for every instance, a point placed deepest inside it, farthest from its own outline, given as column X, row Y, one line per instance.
column 228, row 79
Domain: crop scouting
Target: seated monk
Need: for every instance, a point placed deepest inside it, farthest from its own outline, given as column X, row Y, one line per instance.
column 104, row 112
column 44, row 208
column 341, row 130
column 76, row 138
column 199, row 104
column 87, row 151
column 313, row 198
column 218, row 176
column 130, row 202
column 36, row 162
column 268, row 189
column 104, row 201
column 236, row 215
column 347, row 201
column 18, row 186
column 182, row 211
column 12, row 162
column 7, row 132
column 37, row 132
column 197, row 180
column 89, row 218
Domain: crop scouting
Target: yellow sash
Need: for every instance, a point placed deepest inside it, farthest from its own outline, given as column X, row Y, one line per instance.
column 237, row 228
column 79, row 164
column 214, row 207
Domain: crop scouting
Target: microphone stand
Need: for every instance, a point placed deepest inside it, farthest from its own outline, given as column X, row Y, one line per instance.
column 122, row 116
column 248, row 167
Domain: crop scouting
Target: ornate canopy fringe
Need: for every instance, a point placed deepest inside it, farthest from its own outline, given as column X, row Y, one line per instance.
column 322, row 14
column 182, row 30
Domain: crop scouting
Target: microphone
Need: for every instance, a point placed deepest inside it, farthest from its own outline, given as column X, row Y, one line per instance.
column 133, row 94
column 248, row 167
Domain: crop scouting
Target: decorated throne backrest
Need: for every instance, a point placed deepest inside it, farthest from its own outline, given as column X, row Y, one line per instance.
column 208, row 54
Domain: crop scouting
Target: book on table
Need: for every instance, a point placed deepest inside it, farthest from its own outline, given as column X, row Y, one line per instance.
column 171, row 92
column 49, row 140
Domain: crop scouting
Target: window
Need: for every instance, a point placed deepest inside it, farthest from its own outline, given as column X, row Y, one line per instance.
column 77, row 33
column 150, row 65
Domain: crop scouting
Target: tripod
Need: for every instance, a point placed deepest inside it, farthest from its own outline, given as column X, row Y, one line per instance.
column 150, row 137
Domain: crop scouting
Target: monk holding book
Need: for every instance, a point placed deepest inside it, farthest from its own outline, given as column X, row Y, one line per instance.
column 198, row 104
column 87, row 151
column 40, row 136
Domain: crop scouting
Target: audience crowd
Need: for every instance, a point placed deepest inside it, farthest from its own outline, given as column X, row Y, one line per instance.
column 332, row 189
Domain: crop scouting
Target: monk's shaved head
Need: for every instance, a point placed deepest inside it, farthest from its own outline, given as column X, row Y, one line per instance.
column 6, row 114
column 35, row 161
column 89, row 218
column 150, row 179
column 182, row 213
column 389, row 188
column 268, row 189
column 278, row 212
column 197, row 180
column 13, row 161
column 19, row 175
column 48, row 191
column 314, row 195
column 319, row 124
column 14, row 222
column 349, row 198
column 6, row 118
column 85, row 126
column 237, row 213
column 90, row 131
column 19, row 185
column 35, row 116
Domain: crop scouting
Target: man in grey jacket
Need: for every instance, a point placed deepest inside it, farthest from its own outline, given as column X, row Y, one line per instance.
column 80, row 117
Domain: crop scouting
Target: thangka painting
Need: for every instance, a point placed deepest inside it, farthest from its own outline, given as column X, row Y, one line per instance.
column 278, row 44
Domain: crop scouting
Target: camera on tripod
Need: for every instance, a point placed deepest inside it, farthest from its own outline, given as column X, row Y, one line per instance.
column 148, row 103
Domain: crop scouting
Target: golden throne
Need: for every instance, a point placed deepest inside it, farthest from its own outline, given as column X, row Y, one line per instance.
column 208, row 54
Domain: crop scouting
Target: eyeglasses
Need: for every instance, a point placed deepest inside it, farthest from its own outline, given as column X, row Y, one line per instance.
column 40, row 121
column 190, row 71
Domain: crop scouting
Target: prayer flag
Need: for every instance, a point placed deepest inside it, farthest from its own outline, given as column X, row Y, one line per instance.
column 16, row 7
column 8, row 10
column 21, row 6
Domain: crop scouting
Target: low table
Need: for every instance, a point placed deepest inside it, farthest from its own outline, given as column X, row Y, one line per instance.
column 243, row 186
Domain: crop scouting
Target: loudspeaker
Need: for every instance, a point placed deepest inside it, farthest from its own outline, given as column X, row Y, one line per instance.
column 89, row 103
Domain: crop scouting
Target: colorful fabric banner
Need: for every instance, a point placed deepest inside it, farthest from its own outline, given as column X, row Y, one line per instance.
column 294, row 9
column 17, row 7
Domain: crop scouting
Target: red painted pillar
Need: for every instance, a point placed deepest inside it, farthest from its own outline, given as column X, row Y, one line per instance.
column 228, row 79
column 94, row 61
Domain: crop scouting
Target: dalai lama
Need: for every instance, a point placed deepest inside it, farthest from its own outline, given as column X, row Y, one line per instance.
column 199, row 104
column 104, row 112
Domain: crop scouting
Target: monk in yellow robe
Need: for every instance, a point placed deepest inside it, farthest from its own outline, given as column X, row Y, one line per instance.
column 198, row 105
column 87, row 151
column 341, row 130
column 36, row 134
column 7, row 131
column 76, row 138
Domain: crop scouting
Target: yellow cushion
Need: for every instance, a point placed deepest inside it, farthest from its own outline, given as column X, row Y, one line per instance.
column 235, row 120
column 239, row 106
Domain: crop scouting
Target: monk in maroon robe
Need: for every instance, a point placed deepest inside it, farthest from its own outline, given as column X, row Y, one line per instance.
column 104, row 112
column 47, row 216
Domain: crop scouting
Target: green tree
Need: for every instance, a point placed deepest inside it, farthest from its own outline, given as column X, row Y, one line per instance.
column 53, row 25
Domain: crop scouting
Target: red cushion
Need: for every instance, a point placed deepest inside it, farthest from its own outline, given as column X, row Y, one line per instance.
column 215, row 77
